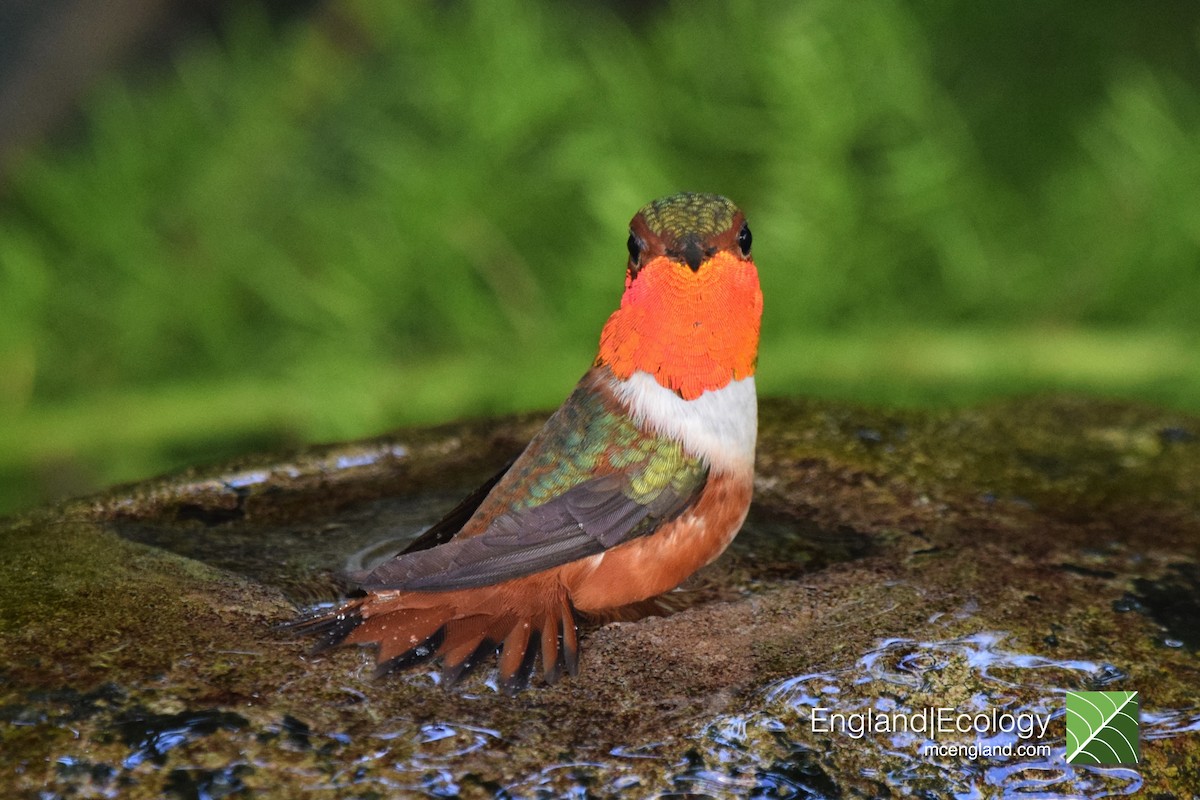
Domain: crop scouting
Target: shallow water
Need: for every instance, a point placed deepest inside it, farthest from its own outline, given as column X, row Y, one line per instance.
column 867, row 579
column 766, row 749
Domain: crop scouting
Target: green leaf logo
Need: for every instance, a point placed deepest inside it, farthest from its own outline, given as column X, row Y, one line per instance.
column 1102, row 728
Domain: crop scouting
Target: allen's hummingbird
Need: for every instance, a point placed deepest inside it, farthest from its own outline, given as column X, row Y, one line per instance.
column 642, row 477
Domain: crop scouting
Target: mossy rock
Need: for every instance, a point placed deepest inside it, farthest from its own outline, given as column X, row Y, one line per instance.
column 990, row 557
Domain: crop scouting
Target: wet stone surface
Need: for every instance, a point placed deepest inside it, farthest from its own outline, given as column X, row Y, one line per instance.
column 985, row 559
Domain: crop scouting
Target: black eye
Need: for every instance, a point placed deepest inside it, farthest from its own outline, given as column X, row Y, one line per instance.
column 744, row 239
column 635, row 249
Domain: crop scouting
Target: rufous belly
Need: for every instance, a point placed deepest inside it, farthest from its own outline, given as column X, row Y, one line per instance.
column 651, row 565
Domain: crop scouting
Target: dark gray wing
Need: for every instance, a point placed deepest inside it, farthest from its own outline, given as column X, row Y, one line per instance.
column 587, row 519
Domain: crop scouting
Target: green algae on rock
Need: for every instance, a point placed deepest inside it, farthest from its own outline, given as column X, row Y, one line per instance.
column 995, row 556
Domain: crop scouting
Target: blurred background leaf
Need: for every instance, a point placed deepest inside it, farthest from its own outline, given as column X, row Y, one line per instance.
column 354, row 216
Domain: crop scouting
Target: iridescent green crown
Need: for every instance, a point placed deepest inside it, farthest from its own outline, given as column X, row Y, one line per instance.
column 689, row 212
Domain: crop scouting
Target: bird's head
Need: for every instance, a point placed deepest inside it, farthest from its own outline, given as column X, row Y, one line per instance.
column 692, row 304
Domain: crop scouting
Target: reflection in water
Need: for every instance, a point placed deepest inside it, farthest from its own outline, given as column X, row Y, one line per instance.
column 766, row 749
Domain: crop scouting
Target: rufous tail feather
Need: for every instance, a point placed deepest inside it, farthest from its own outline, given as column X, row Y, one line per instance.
column 460, row 629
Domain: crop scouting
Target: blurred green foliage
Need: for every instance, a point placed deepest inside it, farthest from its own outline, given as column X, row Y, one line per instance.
column 396, row 213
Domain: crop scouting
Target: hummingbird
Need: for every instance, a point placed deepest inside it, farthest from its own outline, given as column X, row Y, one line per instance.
column 643, row 476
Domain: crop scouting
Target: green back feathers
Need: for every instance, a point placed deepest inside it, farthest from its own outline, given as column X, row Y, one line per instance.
column 590, row 437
